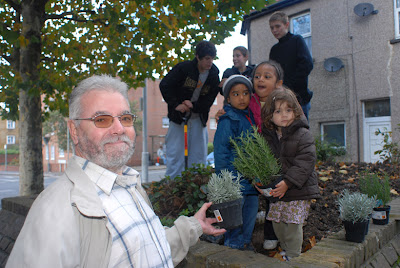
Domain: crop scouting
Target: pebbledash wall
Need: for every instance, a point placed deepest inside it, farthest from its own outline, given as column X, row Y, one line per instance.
column 362, row 96
column 157, row 127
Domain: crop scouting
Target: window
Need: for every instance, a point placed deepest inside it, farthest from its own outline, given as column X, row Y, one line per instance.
column 213, row 123
column 11, row 139
column 301, row 25
column 377, row 108
column 53, row 152
column 61, row 152
column 334, row 133
column 397, row 19
column 10, row 124
column 47, row 152
column 216, row 98
column 165, row 122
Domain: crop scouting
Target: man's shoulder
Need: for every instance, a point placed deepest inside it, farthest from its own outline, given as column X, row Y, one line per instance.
column 230, row 71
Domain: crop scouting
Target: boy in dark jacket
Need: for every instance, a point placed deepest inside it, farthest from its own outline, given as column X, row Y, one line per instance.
column 237, row 120
column 292, row 53
column 189, row 89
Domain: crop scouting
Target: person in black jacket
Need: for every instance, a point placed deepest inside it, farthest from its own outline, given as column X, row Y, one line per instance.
column 292, row 53
column 240, row 57
column 189, row 89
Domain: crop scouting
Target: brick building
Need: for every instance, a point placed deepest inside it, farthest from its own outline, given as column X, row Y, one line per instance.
column 55, row 159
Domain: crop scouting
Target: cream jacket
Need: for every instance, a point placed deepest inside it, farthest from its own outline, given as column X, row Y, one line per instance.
column 66, row 227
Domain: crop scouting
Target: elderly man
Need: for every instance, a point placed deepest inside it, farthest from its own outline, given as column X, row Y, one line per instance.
column 97, row 214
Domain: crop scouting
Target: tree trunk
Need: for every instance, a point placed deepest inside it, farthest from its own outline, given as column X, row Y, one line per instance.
column 30, row 142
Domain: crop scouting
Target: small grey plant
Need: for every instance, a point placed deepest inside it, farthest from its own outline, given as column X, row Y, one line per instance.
column 355, row 207
column 254, row 158
column 224, row 187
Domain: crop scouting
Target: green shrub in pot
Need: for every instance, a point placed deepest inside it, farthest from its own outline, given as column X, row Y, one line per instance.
column 254, row 158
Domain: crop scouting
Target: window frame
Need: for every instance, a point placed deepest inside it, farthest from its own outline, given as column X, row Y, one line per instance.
column 53, row 152
column 162, row 122
column 61, row 153
column 213, row 123
column 306, row 35
column 12, row 141
column 334, row 123
column 396, row 11
column 10, row 124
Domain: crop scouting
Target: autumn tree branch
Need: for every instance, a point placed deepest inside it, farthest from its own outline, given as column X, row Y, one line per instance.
column 75, row 16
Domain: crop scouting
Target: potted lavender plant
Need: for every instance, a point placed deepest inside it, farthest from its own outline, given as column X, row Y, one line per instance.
column 224, row 190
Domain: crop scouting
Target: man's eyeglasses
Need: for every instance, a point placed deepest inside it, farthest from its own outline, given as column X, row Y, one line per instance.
column 105, row 120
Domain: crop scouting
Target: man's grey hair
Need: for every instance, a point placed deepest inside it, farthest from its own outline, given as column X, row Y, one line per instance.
column 96, row 82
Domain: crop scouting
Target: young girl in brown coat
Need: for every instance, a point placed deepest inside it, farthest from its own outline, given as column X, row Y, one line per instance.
column 287, row 131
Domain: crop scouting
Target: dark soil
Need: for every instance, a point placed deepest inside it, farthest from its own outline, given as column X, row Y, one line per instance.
column 324, row 216
column 169, row 197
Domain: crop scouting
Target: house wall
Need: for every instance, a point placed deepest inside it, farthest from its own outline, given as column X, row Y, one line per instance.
column 371, row 63
column 4, row 132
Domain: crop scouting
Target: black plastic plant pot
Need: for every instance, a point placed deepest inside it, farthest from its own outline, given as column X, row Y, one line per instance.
column 228, row 214
column 380, row 215
column 356, row 232
column 276, row 180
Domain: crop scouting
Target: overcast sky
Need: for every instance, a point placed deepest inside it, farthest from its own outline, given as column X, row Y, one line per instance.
column 225, row 51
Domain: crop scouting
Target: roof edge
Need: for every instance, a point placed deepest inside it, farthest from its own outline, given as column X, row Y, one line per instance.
column 265, row 11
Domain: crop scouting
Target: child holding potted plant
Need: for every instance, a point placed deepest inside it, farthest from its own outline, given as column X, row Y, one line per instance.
column 286, row 129
column 237, row 119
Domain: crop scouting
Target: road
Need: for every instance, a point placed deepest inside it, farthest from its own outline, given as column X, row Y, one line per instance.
column 9, row 181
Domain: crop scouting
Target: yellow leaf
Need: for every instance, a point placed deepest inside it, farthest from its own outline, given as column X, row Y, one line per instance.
column 393, row 191
column 324, row 178
column 343, row 172
column 323, row 173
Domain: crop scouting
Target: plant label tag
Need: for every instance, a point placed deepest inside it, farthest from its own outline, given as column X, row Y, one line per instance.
column 218, row 215
column 267, row 192
column 379, row 215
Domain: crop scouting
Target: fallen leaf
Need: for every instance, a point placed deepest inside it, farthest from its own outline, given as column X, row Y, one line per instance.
column 342, row 164
column 324, row 178
column 335, row 192
column 323, row 173
column 278, row 256
column 342, row 171
column 393, row 191
column 313, row 242
column 326, row 205
column 351, row 180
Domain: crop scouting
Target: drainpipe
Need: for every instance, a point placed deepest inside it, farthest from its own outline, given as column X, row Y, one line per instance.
column 145, row 154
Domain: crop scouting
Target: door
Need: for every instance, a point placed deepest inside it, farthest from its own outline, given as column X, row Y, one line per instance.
column 376, row 116
column 373, row 142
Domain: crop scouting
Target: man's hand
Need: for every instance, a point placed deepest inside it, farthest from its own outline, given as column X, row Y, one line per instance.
column 182, row 108
column 188, row 103
column 222, row 82
column 206, row 222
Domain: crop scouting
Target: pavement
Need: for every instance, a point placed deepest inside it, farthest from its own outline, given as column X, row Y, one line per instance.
column 55, row 174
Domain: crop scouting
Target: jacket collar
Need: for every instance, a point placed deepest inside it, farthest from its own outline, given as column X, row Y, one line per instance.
column 286, row 37
column 83, row 194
